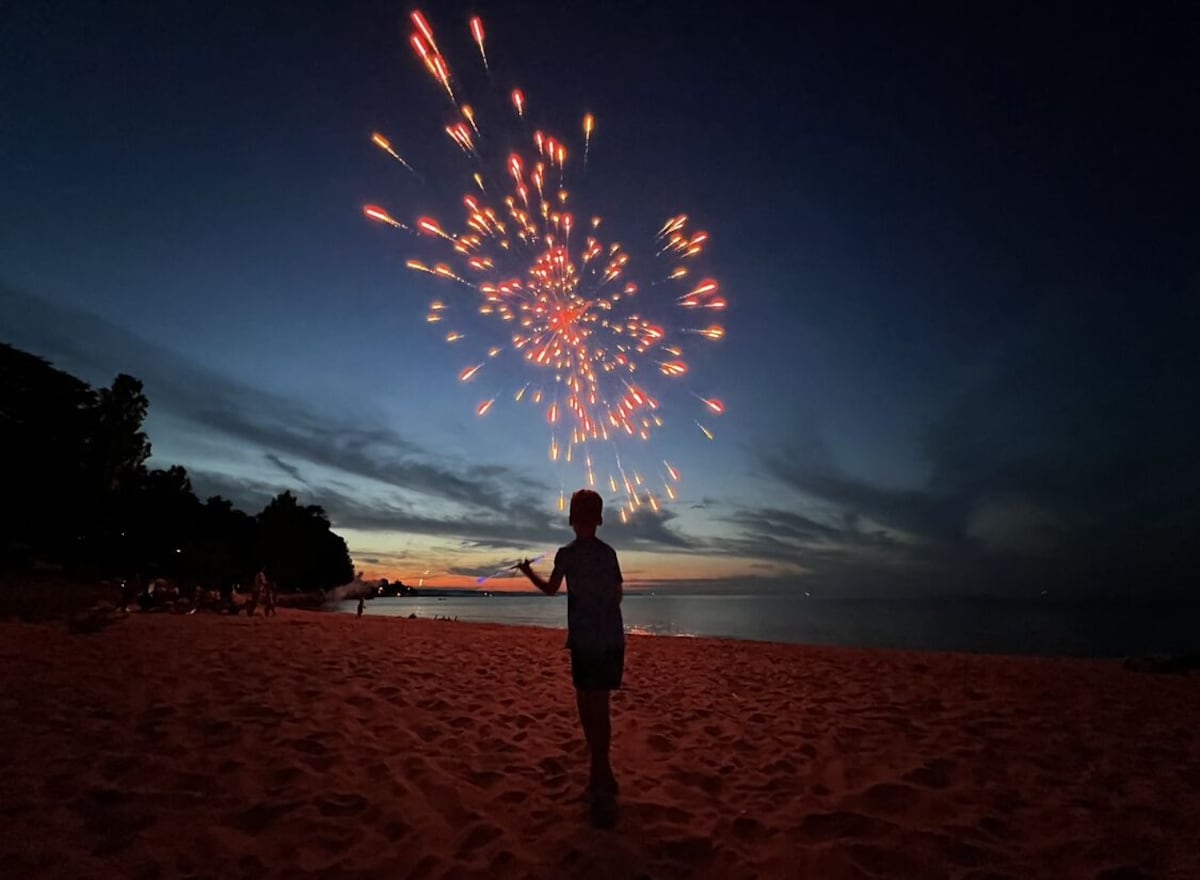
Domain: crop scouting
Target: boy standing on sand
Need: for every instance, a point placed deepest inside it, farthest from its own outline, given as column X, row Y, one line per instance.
column 595, row 632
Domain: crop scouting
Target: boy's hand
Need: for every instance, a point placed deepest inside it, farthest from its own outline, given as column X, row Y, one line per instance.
column 525, row 566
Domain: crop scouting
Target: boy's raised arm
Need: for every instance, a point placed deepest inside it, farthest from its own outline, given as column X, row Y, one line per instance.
column 549, row 587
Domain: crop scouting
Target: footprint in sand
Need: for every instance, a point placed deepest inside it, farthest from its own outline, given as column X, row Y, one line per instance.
column 252, row 866
column 890, row 798
column 477, row 837
column 689, row 850
column 341, row 804
column 428, row 733
column 935, row 774
column 651, row 812
column 309, row 745
column 259, row 713
column 285, row 776
column 396, row 829
column 259, row 817
column 967, row 855
column 484, row 778
column 658, row 742
column 782, row 767
column 1123, row 872
column 748, row 828
column 818, row 827
column 502, row 862
column 707, row 783
column 219, row 733
column 312, row 752
column 195, row 783
column 424, row 868
column 888, row 861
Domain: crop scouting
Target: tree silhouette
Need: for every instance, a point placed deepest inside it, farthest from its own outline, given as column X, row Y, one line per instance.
column 45, row 417
column 297, row 547
column 77, row 493
column 223, row 549
column 120, row 447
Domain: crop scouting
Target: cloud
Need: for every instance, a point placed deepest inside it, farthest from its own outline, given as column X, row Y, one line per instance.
column 649, row 529
column 516, row 524
column 495, row 507
column 96, row 349
column 291, row 470
column 1067, row 463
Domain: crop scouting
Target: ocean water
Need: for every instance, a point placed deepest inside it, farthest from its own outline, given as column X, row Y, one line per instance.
column 1050, row 627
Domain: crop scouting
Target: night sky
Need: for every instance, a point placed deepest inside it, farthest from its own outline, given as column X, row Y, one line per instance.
column 960, row 251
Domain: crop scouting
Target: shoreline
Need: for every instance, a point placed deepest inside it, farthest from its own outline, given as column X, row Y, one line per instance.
column 316, row 744
column 1036, row 631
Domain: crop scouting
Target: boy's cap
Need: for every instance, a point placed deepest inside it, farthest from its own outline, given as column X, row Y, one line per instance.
column 586, row 507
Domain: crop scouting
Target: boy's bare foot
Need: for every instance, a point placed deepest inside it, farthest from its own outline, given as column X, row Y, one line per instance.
column 602, row 811
column 602, row 785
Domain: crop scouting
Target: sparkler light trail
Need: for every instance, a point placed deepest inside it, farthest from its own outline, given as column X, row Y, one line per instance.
column 591, row 344
column 507, row 569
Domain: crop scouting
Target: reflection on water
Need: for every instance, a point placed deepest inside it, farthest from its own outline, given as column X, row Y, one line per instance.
column 993, row 626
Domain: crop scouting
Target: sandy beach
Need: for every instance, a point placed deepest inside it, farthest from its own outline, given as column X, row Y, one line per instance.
column 320, row 745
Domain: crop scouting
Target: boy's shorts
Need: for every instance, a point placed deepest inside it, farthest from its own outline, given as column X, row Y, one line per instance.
column 597, row 670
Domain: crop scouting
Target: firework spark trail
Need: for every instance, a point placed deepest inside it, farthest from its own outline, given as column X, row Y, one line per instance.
column 561, row 294
column 384, row 144
column 477, row 35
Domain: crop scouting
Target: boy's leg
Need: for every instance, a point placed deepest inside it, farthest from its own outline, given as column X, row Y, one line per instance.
column 597, row 730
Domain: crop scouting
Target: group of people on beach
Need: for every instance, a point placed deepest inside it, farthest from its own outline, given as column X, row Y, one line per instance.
column 161, row 595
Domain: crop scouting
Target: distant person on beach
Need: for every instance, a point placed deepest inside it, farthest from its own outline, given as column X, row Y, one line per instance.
column 362, row 603
column 267, row 589
column 595, row 631
column 256, row 593
column 260, row 585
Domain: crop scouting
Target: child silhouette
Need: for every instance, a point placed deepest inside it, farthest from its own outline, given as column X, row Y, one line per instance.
column 595, row 633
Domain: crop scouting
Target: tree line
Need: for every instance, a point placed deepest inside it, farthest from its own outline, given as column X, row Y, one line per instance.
column 76, row 494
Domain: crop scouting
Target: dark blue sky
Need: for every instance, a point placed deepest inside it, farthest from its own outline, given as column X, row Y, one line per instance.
column 960, row 251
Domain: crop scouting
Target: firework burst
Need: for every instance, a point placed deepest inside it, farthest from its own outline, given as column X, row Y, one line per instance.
column 558, row 299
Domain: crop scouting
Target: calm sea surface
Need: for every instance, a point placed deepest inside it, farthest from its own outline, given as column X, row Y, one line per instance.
column 1096, row 629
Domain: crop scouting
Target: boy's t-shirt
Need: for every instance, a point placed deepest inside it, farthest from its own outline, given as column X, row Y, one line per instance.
column 593, row 594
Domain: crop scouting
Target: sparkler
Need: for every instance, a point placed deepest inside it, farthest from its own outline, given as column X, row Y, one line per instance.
column 507, row 569
column 559, row 297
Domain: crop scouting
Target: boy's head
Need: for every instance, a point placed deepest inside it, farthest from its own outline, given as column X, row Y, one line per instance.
column 587, row 509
